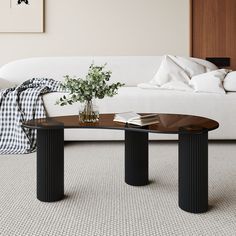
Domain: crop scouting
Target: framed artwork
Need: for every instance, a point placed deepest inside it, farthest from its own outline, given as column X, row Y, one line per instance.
column 21, row 16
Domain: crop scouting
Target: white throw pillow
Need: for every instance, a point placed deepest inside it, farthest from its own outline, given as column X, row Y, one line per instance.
column 230, row 82
column 169, row 71
column 6, row 84
column 190, row 66
column 210, row 82
column 209, row 65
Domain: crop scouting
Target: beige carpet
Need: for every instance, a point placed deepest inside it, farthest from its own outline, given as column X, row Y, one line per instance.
column 98, row 201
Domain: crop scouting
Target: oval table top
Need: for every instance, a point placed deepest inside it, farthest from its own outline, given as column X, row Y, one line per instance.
column 168, row 123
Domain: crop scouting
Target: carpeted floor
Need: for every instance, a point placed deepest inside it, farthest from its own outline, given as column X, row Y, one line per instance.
column 98, row 202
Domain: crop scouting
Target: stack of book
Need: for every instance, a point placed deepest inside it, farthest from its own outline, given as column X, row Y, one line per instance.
column 136, row 119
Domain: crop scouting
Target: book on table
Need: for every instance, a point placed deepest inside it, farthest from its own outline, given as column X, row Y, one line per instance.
column 136, row 119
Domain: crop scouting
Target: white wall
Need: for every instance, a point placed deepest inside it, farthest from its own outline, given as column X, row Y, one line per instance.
column 104, row 27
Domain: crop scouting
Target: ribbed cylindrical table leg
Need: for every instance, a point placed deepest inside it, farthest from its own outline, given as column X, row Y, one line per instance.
column 193, row 172
column 136, row 158
column 50, row 164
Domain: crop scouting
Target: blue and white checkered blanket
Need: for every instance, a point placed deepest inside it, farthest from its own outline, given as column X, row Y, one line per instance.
column 19, row 104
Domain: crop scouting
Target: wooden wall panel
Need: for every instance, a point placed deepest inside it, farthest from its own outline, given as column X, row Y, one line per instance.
column 214, row 29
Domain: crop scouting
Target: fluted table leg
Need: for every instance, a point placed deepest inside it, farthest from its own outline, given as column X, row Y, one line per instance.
column 136, row 158
column 193, row 172
column 50, row 164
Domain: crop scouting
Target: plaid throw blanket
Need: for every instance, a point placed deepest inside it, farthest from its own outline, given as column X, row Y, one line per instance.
column 19, row 104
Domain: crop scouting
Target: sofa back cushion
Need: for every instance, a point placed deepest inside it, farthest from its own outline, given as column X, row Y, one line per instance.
column 130, row 70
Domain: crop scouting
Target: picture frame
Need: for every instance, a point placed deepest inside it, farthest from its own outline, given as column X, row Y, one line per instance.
column 22, row 16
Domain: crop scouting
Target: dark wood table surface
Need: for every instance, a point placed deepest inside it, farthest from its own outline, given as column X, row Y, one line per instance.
column 168, row 123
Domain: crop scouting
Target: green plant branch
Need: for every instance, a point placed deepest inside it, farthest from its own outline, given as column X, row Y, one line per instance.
column 93, row 86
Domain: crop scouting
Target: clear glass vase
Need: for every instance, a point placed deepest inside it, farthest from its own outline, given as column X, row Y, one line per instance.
column 88, row 112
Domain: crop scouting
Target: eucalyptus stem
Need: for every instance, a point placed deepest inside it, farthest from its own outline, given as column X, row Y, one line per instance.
column 88, row 114
column 88, row 110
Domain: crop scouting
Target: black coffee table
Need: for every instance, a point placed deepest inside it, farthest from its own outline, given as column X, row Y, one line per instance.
column 193, row 154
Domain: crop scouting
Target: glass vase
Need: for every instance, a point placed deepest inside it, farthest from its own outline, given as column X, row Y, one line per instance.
column 88, row 112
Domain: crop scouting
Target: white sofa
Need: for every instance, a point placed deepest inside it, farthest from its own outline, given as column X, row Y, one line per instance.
column 131, row 71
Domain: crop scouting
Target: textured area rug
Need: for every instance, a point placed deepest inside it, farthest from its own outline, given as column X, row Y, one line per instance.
column 98, row 202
